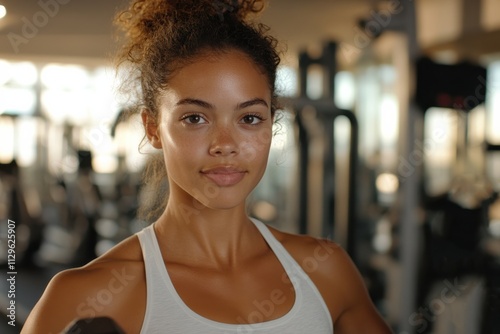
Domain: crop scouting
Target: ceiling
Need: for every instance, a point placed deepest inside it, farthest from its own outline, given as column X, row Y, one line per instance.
column 76, row 28
column 82, row 30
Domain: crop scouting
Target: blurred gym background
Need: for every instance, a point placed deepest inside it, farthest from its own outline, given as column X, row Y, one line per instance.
column 389, row 145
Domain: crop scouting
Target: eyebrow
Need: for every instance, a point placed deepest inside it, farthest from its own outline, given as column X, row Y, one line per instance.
column 206, row 105
column 195, row 102
column 256, row 101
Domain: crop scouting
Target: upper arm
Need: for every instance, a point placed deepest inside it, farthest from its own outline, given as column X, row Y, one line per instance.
column 107, row 290
column 358, row 314
column 60, row 304
column 104, row 287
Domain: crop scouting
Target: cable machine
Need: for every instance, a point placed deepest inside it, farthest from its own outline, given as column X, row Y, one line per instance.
column 326, row 114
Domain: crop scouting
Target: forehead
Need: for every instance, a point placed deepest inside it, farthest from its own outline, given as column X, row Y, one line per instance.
column 217, row 73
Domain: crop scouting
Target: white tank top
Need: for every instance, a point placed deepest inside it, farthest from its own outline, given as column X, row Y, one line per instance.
column 167, row 313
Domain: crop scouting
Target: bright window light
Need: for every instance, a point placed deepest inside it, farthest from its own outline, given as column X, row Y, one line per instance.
column 104, row 78
column 24, row 74
column 7, row 139
column 105, row 163
column 315, row 82
column 345, row 90
column 26, row 136
column 62, row 105
column 367, row 107
column 286, row 81
column 389, row 121
column 19, row 101
column 127, row 138
column 440, row 137
column 105, row 99
column 493, row 103
column 5, row 72
column 71, row 77
column 438, row 148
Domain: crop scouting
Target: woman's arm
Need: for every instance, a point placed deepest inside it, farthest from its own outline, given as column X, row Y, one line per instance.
column 358, row 314
column 108, row 286
column 63, row 301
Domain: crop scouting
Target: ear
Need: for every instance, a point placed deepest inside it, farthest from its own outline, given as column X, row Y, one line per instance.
column 151, row 128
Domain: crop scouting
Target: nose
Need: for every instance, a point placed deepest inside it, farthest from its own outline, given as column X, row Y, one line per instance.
column 223, row 142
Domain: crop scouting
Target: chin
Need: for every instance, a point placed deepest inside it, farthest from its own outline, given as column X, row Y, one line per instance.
column 223, row 203
column 224, row 200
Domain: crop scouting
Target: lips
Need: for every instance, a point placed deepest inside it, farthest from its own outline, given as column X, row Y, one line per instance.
column 224, row 176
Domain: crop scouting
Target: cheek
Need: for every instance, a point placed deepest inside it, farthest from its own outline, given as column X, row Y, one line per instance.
column 180, row 148
column 256, row 147
column 187, row 151
column 173, row 137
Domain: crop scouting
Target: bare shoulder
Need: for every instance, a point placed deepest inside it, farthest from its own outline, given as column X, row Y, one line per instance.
column 318, row 257
column 338, row 280
column 101, row 288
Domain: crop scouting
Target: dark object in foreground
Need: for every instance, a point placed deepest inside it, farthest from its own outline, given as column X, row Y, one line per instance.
column 100, row 325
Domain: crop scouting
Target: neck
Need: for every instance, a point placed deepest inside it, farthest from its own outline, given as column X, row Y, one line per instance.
column 204, row 236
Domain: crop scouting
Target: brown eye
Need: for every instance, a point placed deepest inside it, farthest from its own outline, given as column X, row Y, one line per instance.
column 193, row 119
column 251, row 119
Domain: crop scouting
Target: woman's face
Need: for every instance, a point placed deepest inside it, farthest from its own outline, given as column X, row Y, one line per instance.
column 215, row 129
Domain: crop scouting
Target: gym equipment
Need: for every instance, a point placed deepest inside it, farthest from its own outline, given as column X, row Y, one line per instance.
column 326, row 113
column 99, row 325
column 457, row 218
column 71, row 238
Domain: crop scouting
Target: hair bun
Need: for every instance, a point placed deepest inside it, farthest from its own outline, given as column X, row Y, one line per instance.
column 240, row 8
column 146, row 17
column 175, row 10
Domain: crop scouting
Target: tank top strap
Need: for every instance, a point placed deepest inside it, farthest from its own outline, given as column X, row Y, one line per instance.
column 290, row 265
column 167, row 312
column 294, row 270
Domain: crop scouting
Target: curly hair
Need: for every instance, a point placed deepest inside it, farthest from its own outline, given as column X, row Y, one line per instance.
column 162, row 36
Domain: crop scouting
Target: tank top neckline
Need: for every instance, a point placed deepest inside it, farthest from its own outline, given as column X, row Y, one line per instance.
column 283, row 257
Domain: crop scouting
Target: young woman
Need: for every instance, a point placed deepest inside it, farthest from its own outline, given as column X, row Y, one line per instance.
column 204, row 266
